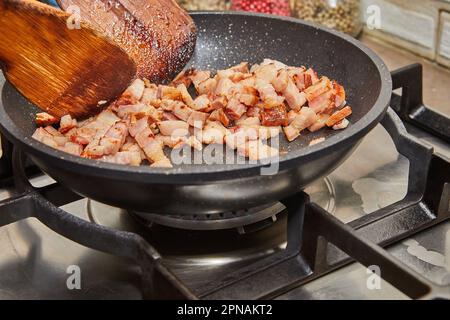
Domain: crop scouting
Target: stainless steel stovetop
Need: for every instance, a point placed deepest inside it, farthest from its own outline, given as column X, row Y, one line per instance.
column 35, row 262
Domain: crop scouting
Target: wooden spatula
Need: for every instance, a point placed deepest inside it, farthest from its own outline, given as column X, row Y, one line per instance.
column 61, row 70
column 158, row 35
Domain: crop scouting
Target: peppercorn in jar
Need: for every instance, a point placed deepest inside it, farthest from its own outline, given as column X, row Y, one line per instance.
column 341, row 15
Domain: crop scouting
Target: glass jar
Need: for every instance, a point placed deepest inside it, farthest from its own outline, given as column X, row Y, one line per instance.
column 205, row 5
column 341, row 15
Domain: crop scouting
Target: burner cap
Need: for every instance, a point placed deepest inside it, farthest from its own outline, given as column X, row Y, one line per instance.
column 246, row 220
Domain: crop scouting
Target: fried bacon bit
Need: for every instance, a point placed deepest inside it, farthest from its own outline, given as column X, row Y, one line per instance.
column 276, row 116
column 338, row 116
column 184, row 77
column 220, row 115
column 198, row 77
column 67, row 123
column 239, row 107
column 44, row 119
column 235, row 109
column 316, row 141
column 197, row 119
column 133, row 93
column 320, row 123
column 341, row 124
column 173, row 128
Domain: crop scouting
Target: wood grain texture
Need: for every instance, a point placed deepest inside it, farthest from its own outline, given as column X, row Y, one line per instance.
column 157, row 34
column 61, row 70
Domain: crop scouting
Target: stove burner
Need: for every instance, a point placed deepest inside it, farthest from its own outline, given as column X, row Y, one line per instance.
column 245, row 220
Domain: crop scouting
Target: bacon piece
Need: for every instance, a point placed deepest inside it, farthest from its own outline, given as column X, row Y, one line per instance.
column 163, row 163
column 44, row 119
column 185, row 96
column 268, row 94
column 339, row 92
column 219, row 102
column 114, row 138
column 168, row 92
column 213, row 133
column 256, row 150
column 235, row 109
column 320, row 123
column 198, row 77
column 206, row 87
column 341, row 124
column 224, row 86
column 253, row 112
column 132, row 94
column 266, row 72
column 219, row 115
column 173, row 128
column 317, row 89
column 276, row 116
column 338, row 116
column 201, row 103
column 249, row 121
column 72, row 148
column 241, row 67
column 132, row 158
column 323, row 103
column 67, row 123
column 150, row 95
column 316, row 141
column 168, row 116
column 281, row 81
column 184, row 77
column 291, row 133
column 138, row 126
column 294, row 98
column 278, row 65
column 182, row 111
column 197, row 119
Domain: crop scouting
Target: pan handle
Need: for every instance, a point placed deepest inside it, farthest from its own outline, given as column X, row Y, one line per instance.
column 410, row 106
column 158, row 280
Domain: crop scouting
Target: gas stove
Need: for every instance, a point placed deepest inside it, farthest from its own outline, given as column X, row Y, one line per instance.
column 377, row 227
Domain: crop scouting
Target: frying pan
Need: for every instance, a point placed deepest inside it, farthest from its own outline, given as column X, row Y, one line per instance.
column 225, row 39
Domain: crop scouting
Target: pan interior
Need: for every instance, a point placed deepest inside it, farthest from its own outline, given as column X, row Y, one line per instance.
column 227, row 39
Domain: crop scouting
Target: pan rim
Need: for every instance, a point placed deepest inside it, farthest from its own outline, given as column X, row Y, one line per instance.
column 196, row 174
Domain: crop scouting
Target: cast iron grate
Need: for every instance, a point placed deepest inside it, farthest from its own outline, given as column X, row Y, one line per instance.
column 317, row 242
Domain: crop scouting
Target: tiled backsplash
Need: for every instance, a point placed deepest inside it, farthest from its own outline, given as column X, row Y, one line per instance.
column 422, row 26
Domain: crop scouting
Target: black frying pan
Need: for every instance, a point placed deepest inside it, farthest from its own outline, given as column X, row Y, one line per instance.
column 225, row 39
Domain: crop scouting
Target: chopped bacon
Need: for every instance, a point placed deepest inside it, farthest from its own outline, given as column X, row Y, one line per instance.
column 276, row 116
column 184, row 77
column 338, row 116
column 220, row 115
column 150, row 95
column 253, row 112
column 197, row 119
column 207, row 86
column 235, row 109
column 198, row 77
column 182, row 111
column 67, row 123
column 317, row 89
column 133, row 93
column 320, row 123
column 323, row 102
column 224, row 86
column 175, row 128
column 202, row 103
column 316, row 141
column 266, row 73
column 185, row 96
column 341, row 124
column 44, row 119
column 168, row 92
column 238, row 106
column 294, row 98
